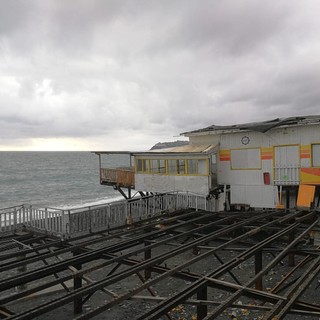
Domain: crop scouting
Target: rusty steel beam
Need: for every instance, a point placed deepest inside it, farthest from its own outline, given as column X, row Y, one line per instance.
column 281, row 308
column 196, row 302
column 247, row 291
column 231, row 299
column 87, row 256
column 92, row 268
column 100, row 284
column 258, row 268
column 208, row 231
column 202, row 309
column 175, row 300
column 68, row 247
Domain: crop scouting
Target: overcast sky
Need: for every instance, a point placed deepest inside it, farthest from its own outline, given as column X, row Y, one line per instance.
column 124, row 75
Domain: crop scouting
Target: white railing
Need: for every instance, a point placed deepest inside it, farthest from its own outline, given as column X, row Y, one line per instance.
column 67, row 223
column 27, row 217
column 9, row 218
column 286, row 175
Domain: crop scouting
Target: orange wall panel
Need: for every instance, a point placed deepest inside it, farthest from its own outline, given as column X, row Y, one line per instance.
column 305, row 196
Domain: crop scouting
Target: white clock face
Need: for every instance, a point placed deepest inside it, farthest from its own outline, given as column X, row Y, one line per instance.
column 245, row 140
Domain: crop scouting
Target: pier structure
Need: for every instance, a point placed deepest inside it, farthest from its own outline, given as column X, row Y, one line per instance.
column 180, row 258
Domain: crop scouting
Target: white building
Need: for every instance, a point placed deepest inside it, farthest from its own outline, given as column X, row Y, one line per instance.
column 257, row 165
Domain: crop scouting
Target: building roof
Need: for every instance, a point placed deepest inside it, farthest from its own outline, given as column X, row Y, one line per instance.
column 112, row 152
column 193, row 149
column 263, row 126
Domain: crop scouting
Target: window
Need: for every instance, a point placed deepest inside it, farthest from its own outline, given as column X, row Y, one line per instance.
column 246, row 159
column 192, row 166
column 157, row 166
column 202, row 166
column 145, row 165
column 316, row 155
column 154, row 166
column 181, row 166
column 162, row 166
column 142, row 165
column 139, row 165
column 172, row 166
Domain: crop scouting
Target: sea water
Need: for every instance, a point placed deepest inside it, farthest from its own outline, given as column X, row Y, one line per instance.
column 55, row 179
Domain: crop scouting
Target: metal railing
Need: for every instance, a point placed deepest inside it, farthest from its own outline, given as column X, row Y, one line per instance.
column 68, row 223
column 27, row 217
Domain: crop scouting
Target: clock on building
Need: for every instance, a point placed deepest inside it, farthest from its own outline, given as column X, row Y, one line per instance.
column 245, row 140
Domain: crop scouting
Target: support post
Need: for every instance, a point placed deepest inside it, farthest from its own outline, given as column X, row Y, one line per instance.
column 121, row 191
column 77, row 284
column 129, row 213
column 65, row 224
column 14, row 220
column 202, row 309
column 291, row 261
column 258, row 268
column 147, row 255
column 46, row 220
column 21, row 269
column 100, row 174
column 287, row 199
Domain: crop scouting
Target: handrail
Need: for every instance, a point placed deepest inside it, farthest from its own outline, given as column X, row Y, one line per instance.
column 67, row 223
column 20, row 217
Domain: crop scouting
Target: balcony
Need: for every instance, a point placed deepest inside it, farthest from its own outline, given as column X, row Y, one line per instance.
column 119, row 177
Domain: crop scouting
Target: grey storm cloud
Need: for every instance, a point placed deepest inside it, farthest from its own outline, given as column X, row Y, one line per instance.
column 146, row 69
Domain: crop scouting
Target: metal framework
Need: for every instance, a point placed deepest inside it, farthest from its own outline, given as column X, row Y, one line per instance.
column 187, row 264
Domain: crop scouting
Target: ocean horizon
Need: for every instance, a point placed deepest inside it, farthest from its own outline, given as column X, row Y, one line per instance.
column 55, row 179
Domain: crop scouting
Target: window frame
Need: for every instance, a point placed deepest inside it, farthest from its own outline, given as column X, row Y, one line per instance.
column 313, row 165
column 145, row 165
column 259, row 167
column 164, row 166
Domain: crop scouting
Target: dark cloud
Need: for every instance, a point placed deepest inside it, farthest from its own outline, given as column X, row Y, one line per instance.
column 229, row 27
column 129, row 73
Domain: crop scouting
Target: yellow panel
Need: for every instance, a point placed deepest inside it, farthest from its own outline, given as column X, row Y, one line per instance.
column 305, row 196
column 310, row 175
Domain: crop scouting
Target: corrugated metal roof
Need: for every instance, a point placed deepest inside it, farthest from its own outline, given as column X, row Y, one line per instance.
column 112, row 152
column 182, row 149
column 263, row 126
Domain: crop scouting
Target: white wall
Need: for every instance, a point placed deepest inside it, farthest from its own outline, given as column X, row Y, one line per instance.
column 166, row 183
column 256, row 196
